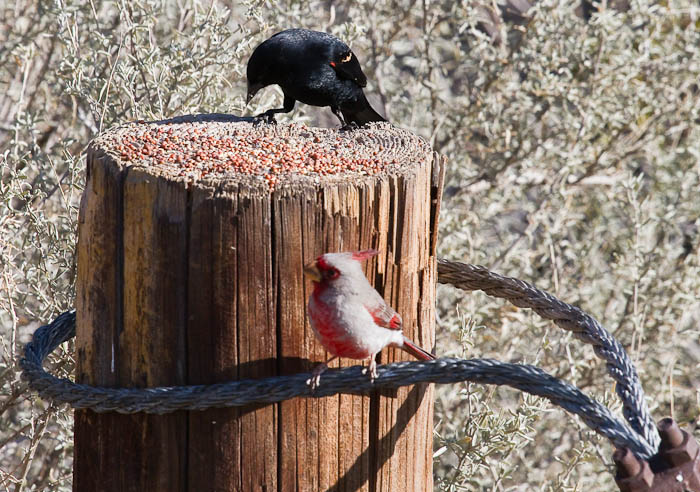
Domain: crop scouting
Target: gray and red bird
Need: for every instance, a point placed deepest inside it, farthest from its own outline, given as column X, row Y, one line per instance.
column 348, row 316
column 314, row 68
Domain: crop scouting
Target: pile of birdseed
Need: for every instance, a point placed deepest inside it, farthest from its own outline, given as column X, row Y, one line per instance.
column 271, row 154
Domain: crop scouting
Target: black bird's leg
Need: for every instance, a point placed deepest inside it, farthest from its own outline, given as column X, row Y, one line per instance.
column 344, row 125
column 269, row 115
column 336, row 111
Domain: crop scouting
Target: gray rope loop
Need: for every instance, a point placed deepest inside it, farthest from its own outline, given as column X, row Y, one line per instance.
column 570, row 318
column 350, row 380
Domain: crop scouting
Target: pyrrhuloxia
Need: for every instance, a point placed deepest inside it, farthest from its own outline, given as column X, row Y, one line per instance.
column 348, row 316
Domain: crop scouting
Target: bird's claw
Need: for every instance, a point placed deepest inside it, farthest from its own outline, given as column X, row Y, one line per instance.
column 266, row 117
column 372, row 370
column 349, row 127
column 315, row 380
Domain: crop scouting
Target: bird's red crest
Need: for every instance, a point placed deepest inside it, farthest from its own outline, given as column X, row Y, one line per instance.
column 322, row 263
column 365, row 254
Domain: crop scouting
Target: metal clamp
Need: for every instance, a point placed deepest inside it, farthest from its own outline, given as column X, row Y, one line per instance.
column 675, row 468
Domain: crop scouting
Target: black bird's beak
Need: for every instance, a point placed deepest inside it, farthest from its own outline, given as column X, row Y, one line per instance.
column 252, row 90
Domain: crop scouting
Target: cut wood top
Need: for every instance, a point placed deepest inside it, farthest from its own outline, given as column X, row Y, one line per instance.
column 218, row 150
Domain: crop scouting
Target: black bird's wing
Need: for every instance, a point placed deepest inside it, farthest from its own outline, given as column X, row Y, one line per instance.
column 347, row 67
column 314, row 68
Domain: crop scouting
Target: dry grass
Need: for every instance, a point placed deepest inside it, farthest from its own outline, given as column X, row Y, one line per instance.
column 574, row 155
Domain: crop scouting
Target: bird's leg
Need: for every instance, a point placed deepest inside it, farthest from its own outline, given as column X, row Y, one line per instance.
column 344, row 125
column 269, row 115
column 372, row 369
column 336, row 111
column 315, row 379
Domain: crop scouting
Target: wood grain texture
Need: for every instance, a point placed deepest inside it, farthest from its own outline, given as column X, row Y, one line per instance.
column 98, row 315
column 196, row 282
column 231, row 335
column 146, row 348
column 152, row 343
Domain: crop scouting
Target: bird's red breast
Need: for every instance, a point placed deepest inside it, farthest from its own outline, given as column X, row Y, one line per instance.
column 332, row 332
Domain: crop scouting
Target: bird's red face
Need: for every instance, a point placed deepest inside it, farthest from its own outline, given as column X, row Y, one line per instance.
column 320, row 271
column 329, row 267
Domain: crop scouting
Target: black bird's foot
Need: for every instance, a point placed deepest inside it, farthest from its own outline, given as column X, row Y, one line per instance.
column 266, row 117
column 349, row 127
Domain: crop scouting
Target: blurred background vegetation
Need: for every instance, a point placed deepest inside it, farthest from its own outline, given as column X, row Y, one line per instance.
column 573, row 140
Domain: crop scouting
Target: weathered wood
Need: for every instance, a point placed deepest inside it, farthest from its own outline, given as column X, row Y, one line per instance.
column 98, row 316
column 190, row 272
column 145, row 348
column 230, row 289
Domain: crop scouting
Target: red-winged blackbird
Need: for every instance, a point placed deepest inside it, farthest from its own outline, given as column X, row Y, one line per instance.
column 314, row 68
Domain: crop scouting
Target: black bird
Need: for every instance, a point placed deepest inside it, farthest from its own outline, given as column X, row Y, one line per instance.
column 314, row 68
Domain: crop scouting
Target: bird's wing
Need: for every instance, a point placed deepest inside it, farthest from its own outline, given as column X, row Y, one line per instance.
column 385, row 316
column 347, row 67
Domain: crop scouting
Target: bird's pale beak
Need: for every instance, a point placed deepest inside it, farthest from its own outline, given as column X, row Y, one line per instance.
column 311, row 270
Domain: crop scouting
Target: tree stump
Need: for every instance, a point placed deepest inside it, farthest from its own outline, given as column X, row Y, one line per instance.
column 192, row 237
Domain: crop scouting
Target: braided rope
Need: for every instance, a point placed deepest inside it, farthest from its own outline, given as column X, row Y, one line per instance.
column 351, row 380
column 570, row 318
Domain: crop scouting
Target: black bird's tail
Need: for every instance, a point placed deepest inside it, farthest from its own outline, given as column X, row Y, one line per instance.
column 360, row 112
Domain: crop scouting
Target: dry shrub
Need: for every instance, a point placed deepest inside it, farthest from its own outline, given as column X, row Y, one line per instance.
column 573, row 163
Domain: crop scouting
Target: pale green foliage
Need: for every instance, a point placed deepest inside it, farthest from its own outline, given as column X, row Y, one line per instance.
column 573, row 163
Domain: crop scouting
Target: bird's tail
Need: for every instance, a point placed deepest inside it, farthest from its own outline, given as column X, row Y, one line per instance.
column 360, row 112
column 416, row 351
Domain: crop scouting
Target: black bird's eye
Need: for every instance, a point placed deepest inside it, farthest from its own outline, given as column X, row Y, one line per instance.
column 331, row 274
column 347, row 57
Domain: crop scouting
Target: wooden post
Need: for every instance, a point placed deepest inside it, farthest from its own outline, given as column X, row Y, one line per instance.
column 192, row 238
